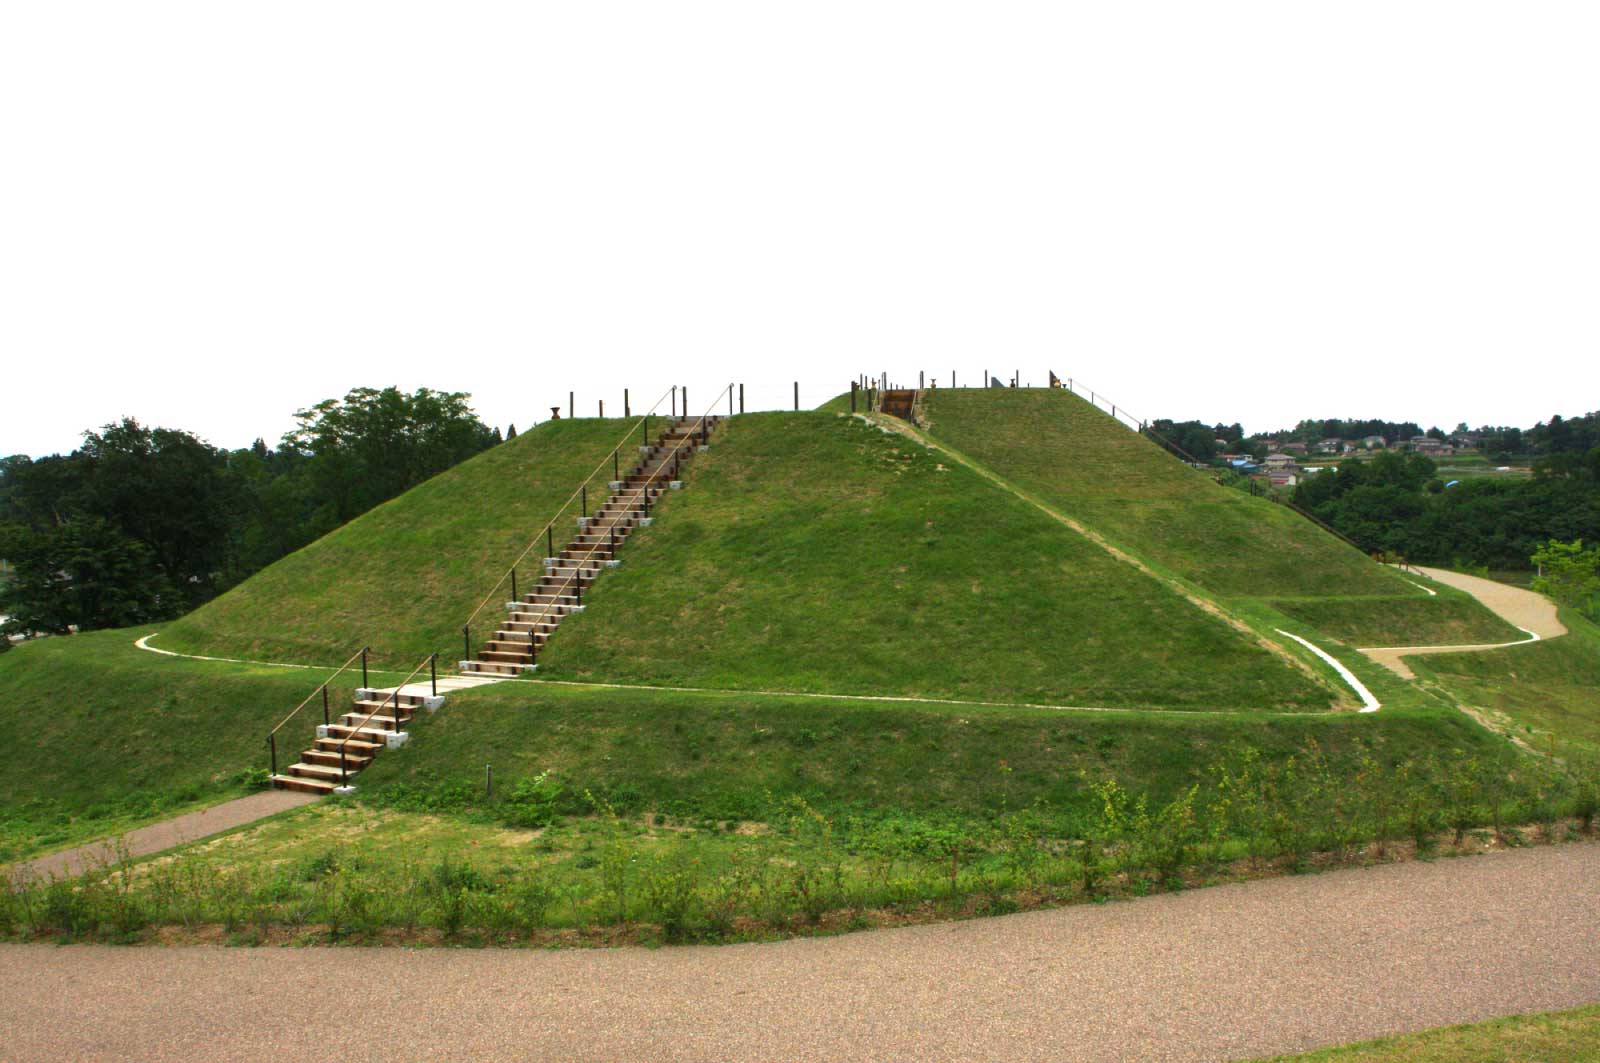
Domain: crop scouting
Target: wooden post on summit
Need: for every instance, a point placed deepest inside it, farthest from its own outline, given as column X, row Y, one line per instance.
column 741, row 398
column 627, row 411
column 602, row 409
column 921, row 382
column 853, row 384
column 674, row 400
column 571, row 408
column 797, row 396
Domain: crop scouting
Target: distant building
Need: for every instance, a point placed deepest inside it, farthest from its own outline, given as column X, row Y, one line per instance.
column 1282, row 470
column 1330, row 446
column 1430, row 447
column 1374, row 442
column 1294, row 448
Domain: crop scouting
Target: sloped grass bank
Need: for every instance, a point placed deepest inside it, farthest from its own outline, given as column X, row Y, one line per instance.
column 727, row 756
column 403, row 577
column 1080, row 460
column 614, row 819
column 1548, row 692
column 1450, row 619
column 100, row 737
column 818, row 553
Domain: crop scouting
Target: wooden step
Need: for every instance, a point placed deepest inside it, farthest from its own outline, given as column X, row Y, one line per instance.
column 330, row 758
column 355, row 746
column 302, row 784
column 318, row 771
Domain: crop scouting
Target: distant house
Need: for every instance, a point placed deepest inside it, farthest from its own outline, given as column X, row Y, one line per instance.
column 1330, row 446
column 1430, row 447
column 1374, row 442
column 1282, row 470
column 1467, row 440
column 1294, row 448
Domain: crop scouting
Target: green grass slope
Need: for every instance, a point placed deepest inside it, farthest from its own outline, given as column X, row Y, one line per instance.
column 100, row 736
column 403, row 577
column 1074, row 456
column 813, row 552
column 1542, row 691
column 1452, row 619
column 731, row 755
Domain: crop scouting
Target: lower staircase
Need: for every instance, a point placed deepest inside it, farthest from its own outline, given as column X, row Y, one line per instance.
column 534, row 617
column 375, row 722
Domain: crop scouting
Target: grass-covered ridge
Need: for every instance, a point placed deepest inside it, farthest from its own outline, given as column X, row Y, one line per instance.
column 1543, row 692
column 1454, row 618
column 404, row 576
column 813, row 552
column 1076, row 457
column 99, row 736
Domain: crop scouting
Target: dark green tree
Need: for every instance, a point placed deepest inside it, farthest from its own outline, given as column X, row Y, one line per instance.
column 82, row 574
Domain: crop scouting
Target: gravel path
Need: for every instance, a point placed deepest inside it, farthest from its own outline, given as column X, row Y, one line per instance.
column 1533, row 613
column 179, row 830
column 1232, row 972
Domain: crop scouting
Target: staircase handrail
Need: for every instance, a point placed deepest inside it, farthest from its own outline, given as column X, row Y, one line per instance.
column 550, row 525
column 394, row 695
column 644, row 494
column 322, row 688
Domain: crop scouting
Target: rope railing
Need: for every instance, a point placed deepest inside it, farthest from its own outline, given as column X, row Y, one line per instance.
column 272, row 735
column 574, row 579
column 580, row 493
column 394, row 696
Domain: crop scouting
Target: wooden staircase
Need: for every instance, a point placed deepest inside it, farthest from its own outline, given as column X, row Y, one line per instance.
column 375, row 722
column 534, row 617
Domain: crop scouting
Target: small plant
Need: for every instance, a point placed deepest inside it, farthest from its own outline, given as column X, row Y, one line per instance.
column 669, row 889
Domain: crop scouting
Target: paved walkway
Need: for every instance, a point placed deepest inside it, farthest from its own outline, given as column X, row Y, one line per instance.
column 159, row 837
column 1232, row 972
column 1533, row 613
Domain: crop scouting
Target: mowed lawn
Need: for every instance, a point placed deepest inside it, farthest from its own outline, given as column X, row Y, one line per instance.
column 1548, row 1037
column 1079, row 459
column 812, row 552
column 101, row 737
column 403, row 577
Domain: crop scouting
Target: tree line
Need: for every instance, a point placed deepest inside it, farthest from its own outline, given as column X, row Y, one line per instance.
column 143, row 523
column 1397, row 504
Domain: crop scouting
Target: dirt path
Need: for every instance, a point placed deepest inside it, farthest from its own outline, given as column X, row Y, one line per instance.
column 1523, row 609
column 158, row 837
column 1232, row 972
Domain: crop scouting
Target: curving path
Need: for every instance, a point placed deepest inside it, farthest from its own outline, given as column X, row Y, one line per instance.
column 1523, row 609
column 1231, row 972
column 161, row 836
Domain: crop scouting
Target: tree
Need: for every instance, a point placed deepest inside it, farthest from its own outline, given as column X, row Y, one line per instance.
column 82, row 574
column 371, row 445
column 511, row 433
column 1568, row 573
column 168, row 490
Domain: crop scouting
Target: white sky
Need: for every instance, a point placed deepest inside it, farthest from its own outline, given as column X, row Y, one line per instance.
column 212, row 214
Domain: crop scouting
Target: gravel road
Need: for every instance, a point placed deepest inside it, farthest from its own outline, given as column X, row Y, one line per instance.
column 1533, row 613
column 1225, row 973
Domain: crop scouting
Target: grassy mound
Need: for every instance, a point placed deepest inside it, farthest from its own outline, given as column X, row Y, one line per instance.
column 730, row 755
column 1451, row 619
column 1077, row 458
column 1543, row 690
column 1074, row 456
column 403, row 577
column 101, row 737
column 817, row 553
